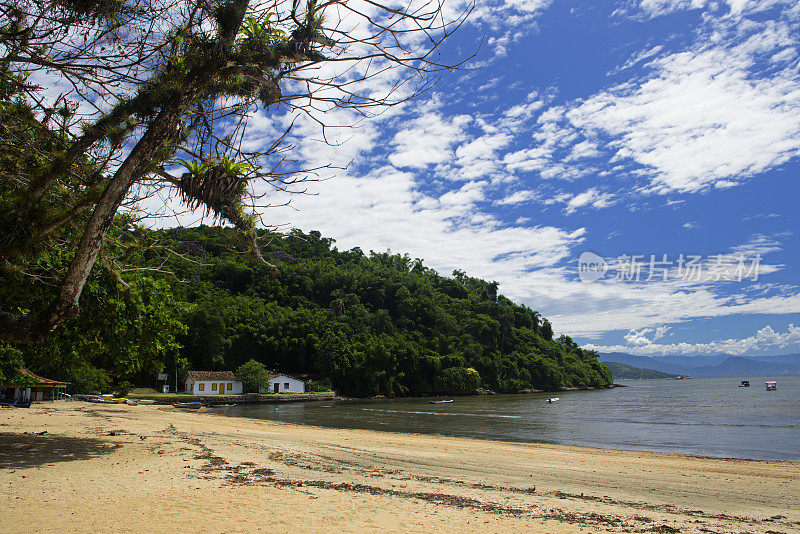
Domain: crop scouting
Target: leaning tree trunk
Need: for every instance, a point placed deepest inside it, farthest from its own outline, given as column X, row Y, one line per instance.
column 152, row 148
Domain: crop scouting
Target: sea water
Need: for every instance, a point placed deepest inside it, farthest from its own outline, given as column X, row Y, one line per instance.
column 701, row 416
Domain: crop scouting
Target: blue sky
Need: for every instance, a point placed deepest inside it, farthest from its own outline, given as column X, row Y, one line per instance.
column 656, row 128
column 634, row 128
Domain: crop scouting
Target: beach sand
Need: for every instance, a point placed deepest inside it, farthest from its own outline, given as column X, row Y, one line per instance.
column 102, row 468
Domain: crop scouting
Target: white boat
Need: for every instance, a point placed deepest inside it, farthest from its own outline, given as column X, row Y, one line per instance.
column 554, row 399
column 771, row 386
column 440, row 401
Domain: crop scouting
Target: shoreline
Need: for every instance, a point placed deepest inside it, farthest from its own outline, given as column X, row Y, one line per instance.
column 510, row 441
column 152, row 468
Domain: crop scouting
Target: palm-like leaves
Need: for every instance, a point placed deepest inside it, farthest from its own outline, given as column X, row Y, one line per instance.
column 218, row 184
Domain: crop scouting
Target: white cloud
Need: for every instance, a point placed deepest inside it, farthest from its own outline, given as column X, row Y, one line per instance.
column 734, row 8
column 591, row 197
column 765, row 339
column 709, row 116
column 639, row 338
column 518, row 197
column 427, row 140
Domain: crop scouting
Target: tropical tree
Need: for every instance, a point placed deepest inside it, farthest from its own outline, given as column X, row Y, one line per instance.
column 253, row 376
column 113, row 105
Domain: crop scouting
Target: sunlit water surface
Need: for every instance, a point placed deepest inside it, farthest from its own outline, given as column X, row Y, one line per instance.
column 703, row 416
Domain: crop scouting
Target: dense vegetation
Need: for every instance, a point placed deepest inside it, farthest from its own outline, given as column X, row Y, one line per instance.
column 372, row 324
column 621, row 370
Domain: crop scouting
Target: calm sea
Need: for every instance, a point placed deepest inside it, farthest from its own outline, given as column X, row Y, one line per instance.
column 704, row 416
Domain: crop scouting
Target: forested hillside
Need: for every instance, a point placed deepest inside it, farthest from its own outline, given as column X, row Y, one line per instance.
column 620, row 370
column 377, row 323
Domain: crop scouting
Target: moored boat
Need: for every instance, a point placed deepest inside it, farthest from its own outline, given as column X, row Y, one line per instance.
column 771, row 386
column 745, row 384
column 554, row 399
column 191, row 405
column 441, row 401
column 26, row 404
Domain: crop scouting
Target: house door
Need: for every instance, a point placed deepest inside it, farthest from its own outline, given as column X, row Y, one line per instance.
column 276, row 387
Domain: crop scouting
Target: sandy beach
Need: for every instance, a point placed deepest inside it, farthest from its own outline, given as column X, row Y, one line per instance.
column 101, row 468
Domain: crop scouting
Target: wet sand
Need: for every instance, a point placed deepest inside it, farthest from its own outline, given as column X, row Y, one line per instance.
column 103, row 468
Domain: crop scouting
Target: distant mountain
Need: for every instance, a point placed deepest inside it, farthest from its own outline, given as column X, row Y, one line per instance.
column 714, row 365
column 642, row 362
column 620, row 370
column 738, row 366
column 693, row 361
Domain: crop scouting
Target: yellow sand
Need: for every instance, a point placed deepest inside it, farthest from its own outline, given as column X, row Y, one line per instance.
column 203, row 472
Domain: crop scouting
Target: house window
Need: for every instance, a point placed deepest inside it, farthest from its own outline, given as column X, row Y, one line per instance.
column 230, row 386
column 213, row 387
column 286, row 385
column 201, row 387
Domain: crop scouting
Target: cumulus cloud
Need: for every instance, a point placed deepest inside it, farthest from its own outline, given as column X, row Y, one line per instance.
column 765, row 339
column 709, row 116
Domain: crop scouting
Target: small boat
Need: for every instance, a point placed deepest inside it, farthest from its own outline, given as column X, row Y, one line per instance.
column 771, row 386
column 745, row 384
column 97, row 399
column 16, row 404
column 120, row 400
column 131, row 402
column 220, row 405
column 191, row 405
column 145, row 401
column 554, row 399
column 441, row 401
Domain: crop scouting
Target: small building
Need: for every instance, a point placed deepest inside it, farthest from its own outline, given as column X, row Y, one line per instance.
column 213, row 383
column 37, row 389
column 279, row 383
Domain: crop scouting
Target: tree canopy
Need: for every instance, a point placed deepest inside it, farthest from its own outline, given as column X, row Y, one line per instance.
column 368, row 324
column 253, row 375
column 112, row 105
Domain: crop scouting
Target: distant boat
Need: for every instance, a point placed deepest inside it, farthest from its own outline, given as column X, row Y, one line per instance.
column 221, row 405
column 441, row 401
column 745, row 384
column 191, row 405
column 771, row 386
column 554, row 399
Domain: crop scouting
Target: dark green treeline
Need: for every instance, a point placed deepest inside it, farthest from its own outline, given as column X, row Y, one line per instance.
column 370, row 324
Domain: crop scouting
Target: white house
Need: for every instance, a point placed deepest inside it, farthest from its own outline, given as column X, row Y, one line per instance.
column 284, row 384
column 212, row 383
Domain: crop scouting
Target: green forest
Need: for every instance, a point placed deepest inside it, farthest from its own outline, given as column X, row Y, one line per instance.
column 365, row 324
column 621, row 370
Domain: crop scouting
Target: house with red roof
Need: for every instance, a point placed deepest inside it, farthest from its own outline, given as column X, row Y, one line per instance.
column 31, row 387
column 213, row 383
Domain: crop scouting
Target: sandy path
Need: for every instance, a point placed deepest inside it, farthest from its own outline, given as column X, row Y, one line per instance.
column 202, row 472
